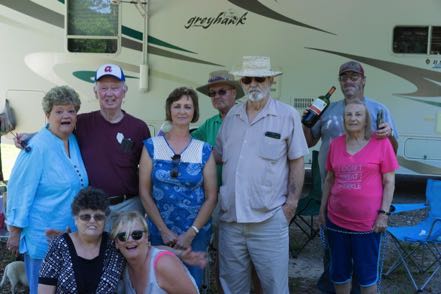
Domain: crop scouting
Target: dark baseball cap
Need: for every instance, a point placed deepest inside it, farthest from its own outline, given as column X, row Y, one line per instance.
column 351, row 66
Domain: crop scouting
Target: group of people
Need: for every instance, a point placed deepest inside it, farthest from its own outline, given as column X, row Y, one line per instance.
column 101, row 149
column 90, row 260
column 244, row 166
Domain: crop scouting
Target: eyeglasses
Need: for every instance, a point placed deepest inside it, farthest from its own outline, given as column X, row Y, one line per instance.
column 249, row 80
column 220, row 92
column 97, row 217
column 353, row 77
column 136, row 235
column 176, row 159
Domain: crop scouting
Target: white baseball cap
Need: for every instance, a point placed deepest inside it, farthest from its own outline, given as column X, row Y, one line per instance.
column 110, row 70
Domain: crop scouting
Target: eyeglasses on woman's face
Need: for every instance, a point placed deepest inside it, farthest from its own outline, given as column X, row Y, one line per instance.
column 136, row 235
column 86, row 217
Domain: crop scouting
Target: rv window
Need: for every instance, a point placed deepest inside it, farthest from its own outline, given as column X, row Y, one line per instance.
column 410, row 40
column 92, row 26
column 435, row 47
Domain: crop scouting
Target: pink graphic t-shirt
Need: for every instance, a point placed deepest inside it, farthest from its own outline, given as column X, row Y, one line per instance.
column 357, row 192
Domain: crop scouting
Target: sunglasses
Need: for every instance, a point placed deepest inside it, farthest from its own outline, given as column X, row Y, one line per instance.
column 97, row 217
column 249, row 80
column 220, row 92
column 353, row 77
column 176, row 159
column 136, row 235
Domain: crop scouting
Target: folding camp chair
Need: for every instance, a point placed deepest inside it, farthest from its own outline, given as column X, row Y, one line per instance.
column 307, row 208
column 397, row 208
column 419, row 245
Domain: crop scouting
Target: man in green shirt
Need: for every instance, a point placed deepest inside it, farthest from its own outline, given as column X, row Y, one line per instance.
column 223, row 91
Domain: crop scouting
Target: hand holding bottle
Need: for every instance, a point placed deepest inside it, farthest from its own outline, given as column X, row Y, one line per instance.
column 316, row 109
column 383, row 128
column 384, row 131
column 380, row 118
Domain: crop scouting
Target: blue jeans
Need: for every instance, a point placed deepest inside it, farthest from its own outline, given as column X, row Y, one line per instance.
column 200, row 243
column 32, row 267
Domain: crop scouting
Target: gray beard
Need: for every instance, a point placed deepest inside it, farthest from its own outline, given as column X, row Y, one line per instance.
column 257, row 96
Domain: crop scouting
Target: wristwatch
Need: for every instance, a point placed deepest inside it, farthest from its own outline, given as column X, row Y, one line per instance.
column 383, row 212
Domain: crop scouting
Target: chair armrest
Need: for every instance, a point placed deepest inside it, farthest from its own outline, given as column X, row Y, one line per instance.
column 396, row 208
column 432, row 227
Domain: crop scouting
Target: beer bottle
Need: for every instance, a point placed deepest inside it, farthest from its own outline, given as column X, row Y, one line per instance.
column 380, row 118
column 316, row 109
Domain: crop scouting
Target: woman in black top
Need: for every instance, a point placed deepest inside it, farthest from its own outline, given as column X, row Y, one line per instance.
column 85, row 261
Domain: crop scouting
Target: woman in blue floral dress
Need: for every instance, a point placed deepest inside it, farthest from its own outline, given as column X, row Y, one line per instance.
column 177, row 179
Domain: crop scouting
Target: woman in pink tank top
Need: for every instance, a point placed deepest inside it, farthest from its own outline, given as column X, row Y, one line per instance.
column 150, row 269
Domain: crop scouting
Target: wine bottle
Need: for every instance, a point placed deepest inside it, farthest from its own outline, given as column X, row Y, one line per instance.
column 316, row 109
column 380, row 118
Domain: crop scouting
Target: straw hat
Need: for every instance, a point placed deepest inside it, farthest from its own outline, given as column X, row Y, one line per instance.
column 221, row 77
column 256, row 66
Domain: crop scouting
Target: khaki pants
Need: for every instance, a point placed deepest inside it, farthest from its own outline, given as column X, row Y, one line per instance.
column 265, row 244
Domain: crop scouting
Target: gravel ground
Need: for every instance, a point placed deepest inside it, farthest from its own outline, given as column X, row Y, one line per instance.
column 307, row 267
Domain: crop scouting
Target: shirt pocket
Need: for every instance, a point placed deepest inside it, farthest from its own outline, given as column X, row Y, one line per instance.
column 262, row 197
column 270, row 152
column 125, row 159
column 272, row 149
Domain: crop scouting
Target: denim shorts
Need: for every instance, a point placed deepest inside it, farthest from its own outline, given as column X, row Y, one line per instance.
column 354, row 251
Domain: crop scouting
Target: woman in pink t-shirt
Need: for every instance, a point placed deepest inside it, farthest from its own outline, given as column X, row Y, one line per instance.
column 357, row 194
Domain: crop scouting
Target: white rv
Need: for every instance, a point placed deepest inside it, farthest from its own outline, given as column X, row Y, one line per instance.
column 52, row 42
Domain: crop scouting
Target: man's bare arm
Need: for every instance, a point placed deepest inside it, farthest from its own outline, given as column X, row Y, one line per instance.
column 295, row 184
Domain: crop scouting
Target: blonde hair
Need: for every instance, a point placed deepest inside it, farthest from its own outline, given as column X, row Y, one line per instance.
column 125, row 221
column 367, row 127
